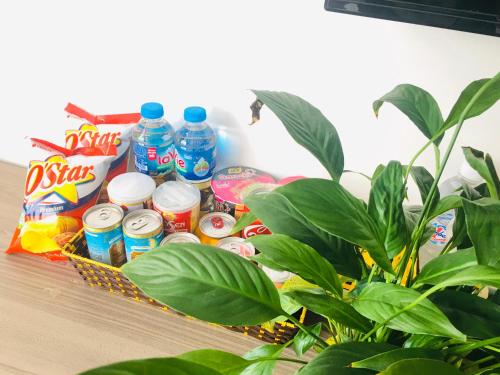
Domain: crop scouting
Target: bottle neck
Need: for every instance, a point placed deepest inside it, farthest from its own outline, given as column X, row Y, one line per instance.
column 152, row 122
column 195, row 125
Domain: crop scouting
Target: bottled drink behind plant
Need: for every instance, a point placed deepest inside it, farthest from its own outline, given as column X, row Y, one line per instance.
column 153, row 144
column 195, row 147
column 443, row 224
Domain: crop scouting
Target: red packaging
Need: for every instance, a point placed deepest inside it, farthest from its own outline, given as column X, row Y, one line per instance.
column 99, row 130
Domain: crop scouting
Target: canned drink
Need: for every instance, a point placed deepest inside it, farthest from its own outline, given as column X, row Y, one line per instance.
column 237, row 245
column 228, row 184
column 254, row 229
column 103, row 230
column 277, row 277
column 132, row 191
column 179, row 205
column 142, row 231
column 180, row 237
column 215, row 226
column 206, row 195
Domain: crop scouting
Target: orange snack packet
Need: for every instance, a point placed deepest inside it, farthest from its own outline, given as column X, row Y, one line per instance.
column 60, row 185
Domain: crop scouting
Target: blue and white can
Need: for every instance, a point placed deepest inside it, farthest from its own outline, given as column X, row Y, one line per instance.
column 142, row 231
column 103, row 231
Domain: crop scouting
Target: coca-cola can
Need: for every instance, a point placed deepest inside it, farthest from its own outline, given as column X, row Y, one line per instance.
column 254, row 229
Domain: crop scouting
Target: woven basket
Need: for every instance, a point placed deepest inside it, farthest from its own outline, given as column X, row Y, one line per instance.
column 114, row 281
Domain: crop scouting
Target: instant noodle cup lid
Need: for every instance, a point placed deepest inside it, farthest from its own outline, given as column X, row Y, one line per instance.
column 176, row 196
column 277, row 276
column 228, row 183
column 131, row 187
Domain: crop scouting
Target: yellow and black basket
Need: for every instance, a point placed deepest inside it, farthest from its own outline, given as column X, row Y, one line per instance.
column 112, row 279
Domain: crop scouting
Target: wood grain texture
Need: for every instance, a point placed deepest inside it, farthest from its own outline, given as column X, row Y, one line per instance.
column 53, row 323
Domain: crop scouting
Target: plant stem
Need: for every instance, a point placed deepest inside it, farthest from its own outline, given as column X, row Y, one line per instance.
column 372, row 272
column 302, row 327
column 478, row 362
column 437, row 157
column 489, row 347
column 282, row 359
column 476, row 345
column 484, row 369
column 430, row 197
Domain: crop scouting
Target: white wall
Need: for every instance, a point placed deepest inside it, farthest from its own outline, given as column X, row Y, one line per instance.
column 110, row 56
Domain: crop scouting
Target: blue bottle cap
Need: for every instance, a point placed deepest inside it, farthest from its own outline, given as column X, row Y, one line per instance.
column 195, row 114
column 152, row 110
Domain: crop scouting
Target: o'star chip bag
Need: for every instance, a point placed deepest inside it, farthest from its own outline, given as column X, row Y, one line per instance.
column 99, row 130
column 60, row 185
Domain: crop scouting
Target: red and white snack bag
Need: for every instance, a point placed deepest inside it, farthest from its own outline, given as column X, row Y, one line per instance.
column 98, row 130
column 60, row 185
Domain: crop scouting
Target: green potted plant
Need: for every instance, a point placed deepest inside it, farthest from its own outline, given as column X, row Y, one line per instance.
column 397, row 319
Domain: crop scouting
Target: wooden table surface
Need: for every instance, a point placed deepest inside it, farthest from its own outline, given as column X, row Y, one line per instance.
column 53, row 323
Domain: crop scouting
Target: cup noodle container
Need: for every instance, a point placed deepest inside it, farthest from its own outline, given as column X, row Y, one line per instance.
column 229, row 183
column 179, row 204
column 132, row 191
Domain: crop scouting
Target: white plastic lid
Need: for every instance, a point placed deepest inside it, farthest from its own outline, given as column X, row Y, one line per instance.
column 276, row 276
column 176, row 196
column 131, row 187
column 469, row 174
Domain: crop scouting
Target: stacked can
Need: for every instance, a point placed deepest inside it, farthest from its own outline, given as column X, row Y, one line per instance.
column 142, row 231
column 215, row 226
column 179, row 205
column 103, row 232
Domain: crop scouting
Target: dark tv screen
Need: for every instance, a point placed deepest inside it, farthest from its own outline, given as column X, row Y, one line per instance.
column 475, row 16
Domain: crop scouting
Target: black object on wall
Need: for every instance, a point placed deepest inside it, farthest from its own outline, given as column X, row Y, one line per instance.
column 475, row 16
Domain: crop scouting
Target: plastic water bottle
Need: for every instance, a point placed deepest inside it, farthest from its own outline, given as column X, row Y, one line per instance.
column 195, row 147
column 153, row 144
column 443, row 224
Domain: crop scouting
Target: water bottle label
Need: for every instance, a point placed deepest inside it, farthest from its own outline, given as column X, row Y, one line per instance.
column 441, row 223
column 154, row 160
column 195, row 166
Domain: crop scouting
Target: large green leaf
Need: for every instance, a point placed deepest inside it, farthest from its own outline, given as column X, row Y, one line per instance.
column 223, row 362
column 474, row 316
column 278, row 214
column 425, row 341
column 298, row 258
column 336, row 358
column 380, row 301
column 380, row 362
column 332, row 308
column 153, row 366
column 330, row 207
column 386, row 208
column 245, row 220
column 486, row 100
column 262, row 367
column 447, row 203
column 302, row 342
column 308, row 127
column 483, row 164
column 207, row 283
column 424, row 181
column 483, row 226
column 442, row 267
column 416, row 103
column 421, row 366
column 483, row 275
